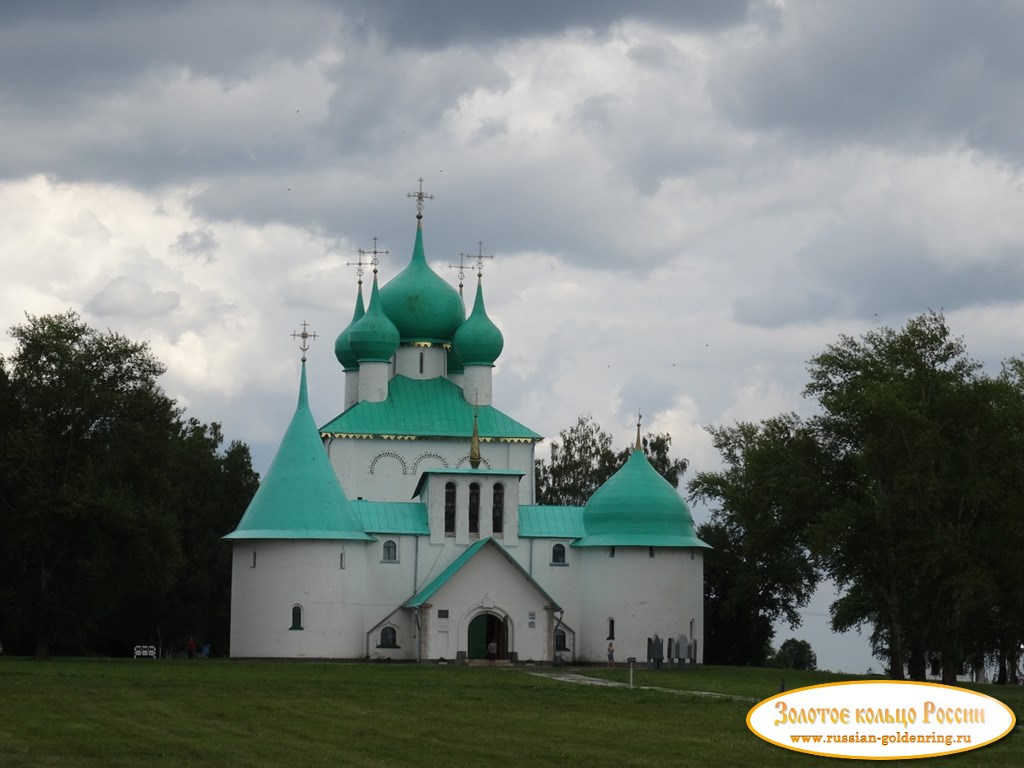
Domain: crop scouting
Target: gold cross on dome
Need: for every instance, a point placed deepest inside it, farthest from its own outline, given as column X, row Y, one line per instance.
column 480, row 257
column 305, row 335
column 374, row 259
column 421, row 197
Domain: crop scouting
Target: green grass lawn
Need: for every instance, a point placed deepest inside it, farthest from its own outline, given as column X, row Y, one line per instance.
column 102, row 712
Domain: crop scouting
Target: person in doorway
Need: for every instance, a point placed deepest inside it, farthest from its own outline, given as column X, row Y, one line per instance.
column 492, row 652
column 611, row 655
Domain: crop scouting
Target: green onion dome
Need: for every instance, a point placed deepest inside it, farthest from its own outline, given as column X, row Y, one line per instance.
column 637, row 507
column 478, row 340
column 374, row 338
column 343, row 344
column 420, row 303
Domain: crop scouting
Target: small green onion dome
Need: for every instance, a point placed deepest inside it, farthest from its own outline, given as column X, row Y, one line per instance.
column 374, row 338
column 637, row 507
column 343, row 344
column 420, row 303
column 478, row 340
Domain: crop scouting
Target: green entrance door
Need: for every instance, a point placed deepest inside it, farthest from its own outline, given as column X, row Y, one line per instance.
column 482, row 630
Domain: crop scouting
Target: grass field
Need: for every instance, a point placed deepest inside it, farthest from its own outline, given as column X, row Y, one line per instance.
column 102, row 712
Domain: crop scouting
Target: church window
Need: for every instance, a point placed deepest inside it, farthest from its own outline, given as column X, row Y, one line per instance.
column 558, row 554
column 390, row 552
column 296, row 617
column 650, row 551
column 442, row 613
column 341, row 559
column 388, row 638
column 498, row 509
column 421, row 362
column 449, row 508
column 474, row 508
column 611, row 629
column 253, row 559
column 611, row 551
column 560, row 640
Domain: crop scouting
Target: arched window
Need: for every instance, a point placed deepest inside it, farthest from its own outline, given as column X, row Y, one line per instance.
column 390, row 551
column 474, row 508
column 296, row 617
column 498, row 509
column 449, row 508
column 558, row 554
column 611, row 629
column 388, row 638
column 560, row 640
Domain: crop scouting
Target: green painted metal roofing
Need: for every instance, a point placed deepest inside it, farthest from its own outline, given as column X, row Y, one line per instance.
column 300, row 497
column 547, row 522
column 446, row 575
column 403, row 517
column 428, row 408
column 637, row 507
column 420, row 303
column 373, row 337
column 478, row 340
column 343, row 344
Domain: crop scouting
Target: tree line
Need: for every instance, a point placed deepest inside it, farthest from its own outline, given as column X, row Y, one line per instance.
column 112, row 501
column 905, row 488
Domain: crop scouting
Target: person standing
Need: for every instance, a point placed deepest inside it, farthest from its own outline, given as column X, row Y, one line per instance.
column 190, row 647
column 611, row 655
column 492, row 652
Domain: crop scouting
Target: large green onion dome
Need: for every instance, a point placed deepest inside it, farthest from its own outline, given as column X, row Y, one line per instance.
column 343, row 344
column 420, row 303
column 374, row 338
column 637, row 507
column 478, row 340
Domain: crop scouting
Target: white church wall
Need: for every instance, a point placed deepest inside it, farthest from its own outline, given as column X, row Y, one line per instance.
column 324, row 580
column 642, row 595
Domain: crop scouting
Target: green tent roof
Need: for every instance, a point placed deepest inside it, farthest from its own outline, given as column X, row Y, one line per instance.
column 637, row 507
column 425, row 408
column 446, row 575
column 300, row 497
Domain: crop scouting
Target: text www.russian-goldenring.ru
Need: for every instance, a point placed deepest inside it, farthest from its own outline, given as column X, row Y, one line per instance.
column 885, row 739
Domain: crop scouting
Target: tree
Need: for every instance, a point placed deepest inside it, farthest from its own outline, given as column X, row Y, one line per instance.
column 583, row 459
column 922, row 449
column 759, row 569
column 96, row 491
column 796, row 654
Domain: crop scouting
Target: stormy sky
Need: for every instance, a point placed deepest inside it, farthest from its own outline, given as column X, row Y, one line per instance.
column 685, row 200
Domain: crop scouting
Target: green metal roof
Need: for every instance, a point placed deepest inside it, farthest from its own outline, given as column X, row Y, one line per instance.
column 403, row 517
column 373, row 337
column 343, row 344
column 478, row 340
column 300, row 497
column 637, row 507
column 425, row 408
column 420, row 303
column 546, row 522
column 446, row 575
column 462, row 471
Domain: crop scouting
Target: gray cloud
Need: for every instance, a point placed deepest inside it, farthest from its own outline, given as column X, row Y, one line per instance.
column 126, row 297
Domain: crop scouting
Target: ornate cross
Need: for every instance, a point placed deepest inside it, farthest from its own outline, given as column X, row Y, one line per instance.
column 305, row 335
column 420, row 196
column 374, row 260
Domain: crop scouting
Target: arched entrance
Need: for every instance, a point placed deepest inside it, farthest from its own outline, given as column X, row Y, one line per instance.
column 483, row 629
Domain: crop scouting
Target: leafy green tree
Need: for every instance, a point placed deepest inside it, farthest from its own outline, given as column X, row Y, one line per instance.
column 796, row 654
column 922, row 456
column 583, row 458
column 112, row 506
column 759, row 569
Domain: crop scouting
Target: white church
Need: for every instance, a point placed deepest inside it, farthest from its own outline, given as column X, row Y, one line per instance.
column 406, row 528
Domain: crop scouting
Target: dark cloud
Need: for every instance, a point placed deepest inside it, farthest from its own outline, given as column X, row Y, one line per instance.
column 917, row 75
column 471, row 22
column 198, row 242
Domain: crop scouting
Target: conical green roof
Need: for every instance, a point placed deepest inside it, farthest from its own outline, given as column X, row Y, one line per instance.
column 420, row 303
column 343, row 344
column 300, row 497
column 637, row 507
column 478, row 340
column 374, row 338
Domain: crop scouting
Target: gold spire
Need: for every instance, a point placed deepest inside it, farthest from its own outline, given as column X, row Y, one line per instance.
column 639, row 417
column 474, row 443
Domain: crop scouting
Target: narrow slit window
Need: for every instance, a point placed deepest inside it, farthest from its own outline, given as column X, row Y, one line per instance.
column 449, row 508
column 498, row 509
column 474, row 508
column 296, row 617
